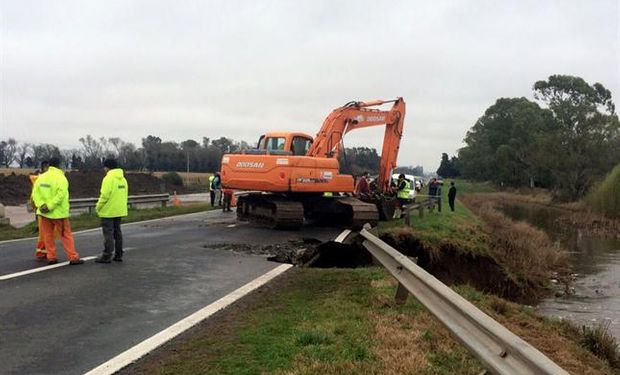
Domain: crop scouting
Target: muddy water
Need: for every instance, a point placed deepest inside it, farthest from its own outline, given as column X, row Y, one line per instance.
column 596, row 261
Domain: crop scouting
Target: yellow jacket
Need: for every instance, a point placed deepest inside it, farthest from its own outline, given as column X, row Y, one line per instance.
column 52, row 189
column 113, row 196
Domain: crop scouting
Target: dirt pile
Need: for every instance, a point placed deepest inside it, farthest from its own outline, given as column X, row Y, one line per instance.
column 15, row 189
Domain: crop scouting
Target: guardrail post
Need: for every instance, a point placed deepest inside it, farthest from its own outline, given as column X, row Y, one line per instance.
column 408, row 217
column 421, row 211
column 401, row 294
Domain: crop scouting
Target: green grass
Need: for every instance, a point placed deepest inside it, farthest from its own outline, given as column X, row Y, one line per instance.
column 321, row 318
column 87, row 221
column 605, row 196
column 460, row 228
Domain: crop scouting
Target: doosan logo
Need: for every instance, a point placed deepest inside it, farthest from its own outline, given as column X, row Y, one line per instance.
column 375, row 118
column 250, row 164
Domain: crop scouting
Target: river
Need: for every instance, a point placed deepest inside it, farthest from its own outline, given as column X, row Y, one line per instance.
column 596, row 261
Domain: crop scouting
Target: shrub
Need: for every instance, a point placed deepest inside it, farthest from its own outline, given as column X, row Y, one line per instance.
column 172, row 178
column 605, row 196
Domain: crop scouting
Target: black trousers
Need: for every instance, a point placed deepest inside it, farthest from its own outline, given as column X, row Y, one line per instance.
column 451, row 201
column 112, row 237
column 212, row 196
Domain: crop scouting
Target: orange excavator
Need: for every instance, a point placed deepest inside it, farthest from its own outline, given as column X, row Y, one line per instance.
column 291, row 176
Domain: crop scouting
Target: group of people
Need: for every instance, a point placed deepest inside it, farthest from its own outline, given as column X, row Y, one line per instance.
column 402, row 188
column 434, row 192
column 218, row 196
column 50, row 202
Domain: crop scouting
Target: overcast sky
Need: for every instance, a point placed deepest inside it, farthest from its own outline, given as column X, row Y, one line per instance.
column 187, row 69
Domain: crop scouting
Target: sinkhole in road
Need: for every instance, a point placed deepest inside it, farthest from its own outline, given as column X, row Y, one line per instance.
column 306, row 252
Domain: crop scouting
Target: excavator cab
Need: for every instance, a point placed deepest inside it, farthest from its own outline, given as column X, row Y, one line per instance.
column 296, row 144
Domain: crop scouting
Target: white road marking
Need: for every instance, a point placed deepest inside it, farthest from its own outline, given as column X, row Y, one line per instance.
column 231, row 225
column 123, row 225
column 133, row 354
column 47, row 268
column 39, row 269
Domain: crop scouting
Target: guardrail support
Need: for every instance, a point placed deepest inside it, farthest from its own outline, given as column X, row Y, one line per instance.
column 401, row 294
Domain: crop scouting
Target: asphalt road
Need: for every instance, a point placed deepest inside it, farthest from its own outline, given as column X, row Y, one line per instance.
column 70, row 319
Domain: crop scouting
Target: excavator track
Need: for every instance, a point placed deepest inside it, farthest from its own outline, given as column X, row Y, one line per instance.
column 270, row 211
column 360, row 212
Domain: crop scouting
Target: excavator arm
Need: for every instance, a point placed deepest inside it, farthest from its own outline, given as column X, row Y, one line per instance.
column 357, row 115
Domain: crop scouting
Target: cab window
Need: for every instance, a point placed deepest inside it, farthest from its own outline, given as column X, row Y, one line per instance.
column 275, row 143
column 300, row 145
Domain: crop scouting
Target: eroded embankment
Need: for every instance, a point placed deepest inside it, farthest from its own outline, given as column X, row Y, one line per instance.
column 510, row 259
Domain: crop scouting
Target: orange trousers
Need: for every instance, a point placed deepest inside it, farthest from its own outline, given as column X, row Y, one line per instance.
column 40, row 252
column 48, row 227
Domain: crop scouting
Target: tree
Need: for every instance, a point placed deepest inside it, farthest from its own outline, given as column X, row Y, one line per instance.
column 448, row 167
column 585, row 147
column 93, row 152
column 8, row 149
column 506, row 143
column 22, row 153
column 44, row 151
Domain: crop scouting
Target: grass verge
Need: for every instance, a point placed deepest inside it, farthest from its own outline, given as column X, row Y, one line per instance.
column 87, row 221
column 345, row 321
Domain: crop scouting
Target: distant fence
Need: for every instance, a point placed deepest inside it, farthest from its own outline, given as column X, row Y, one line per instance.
column 90, row 203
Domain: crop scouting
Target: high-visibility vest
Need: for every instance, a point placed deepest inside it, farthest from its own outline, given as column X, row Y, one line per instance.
column 211, row 178
column 328, row 194
column 404, row 193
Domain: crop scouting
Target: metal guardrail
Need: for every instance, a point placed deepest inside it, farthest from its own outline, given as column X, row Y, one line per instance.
column 499, row 350
column 90, row 203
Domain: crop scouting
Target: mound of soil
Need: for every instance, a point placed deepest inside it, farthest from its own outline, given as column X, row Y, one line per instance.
column 15, row 189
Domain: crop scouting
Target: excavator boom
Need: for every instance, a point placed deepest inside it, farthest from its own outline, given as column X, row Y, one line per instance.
column 357, row 115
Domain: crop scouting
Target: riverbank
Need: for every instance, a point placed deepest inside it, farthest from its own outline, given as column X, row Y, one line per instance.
column 335, row 321
column 578, row 215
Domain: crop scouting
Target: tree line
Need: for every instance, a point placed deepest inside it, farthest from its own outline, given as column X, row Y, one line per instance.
column 156, row 154
column 564, row 141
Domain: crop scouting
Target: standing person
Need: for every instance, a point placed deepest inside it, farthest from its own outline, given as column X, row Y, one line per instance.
column 432, row 191
column 362, row 188
column 217, row 186
column 51, row 197
column 451, row 195
column 39, row 253
column 402, row 194
column 111, row 207
column 228, row 195
column 212, row 189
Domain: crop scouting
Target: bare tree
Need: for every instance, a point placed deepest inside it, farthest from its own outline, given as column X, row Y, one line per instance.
column 7, row 152
column 23, row 151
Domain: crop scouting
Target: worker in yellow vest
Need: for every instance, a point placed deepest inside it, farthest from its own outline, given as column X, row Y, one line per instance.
column 403, row 187
column 111, row 207
column 212, row 189
column 51, row 197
